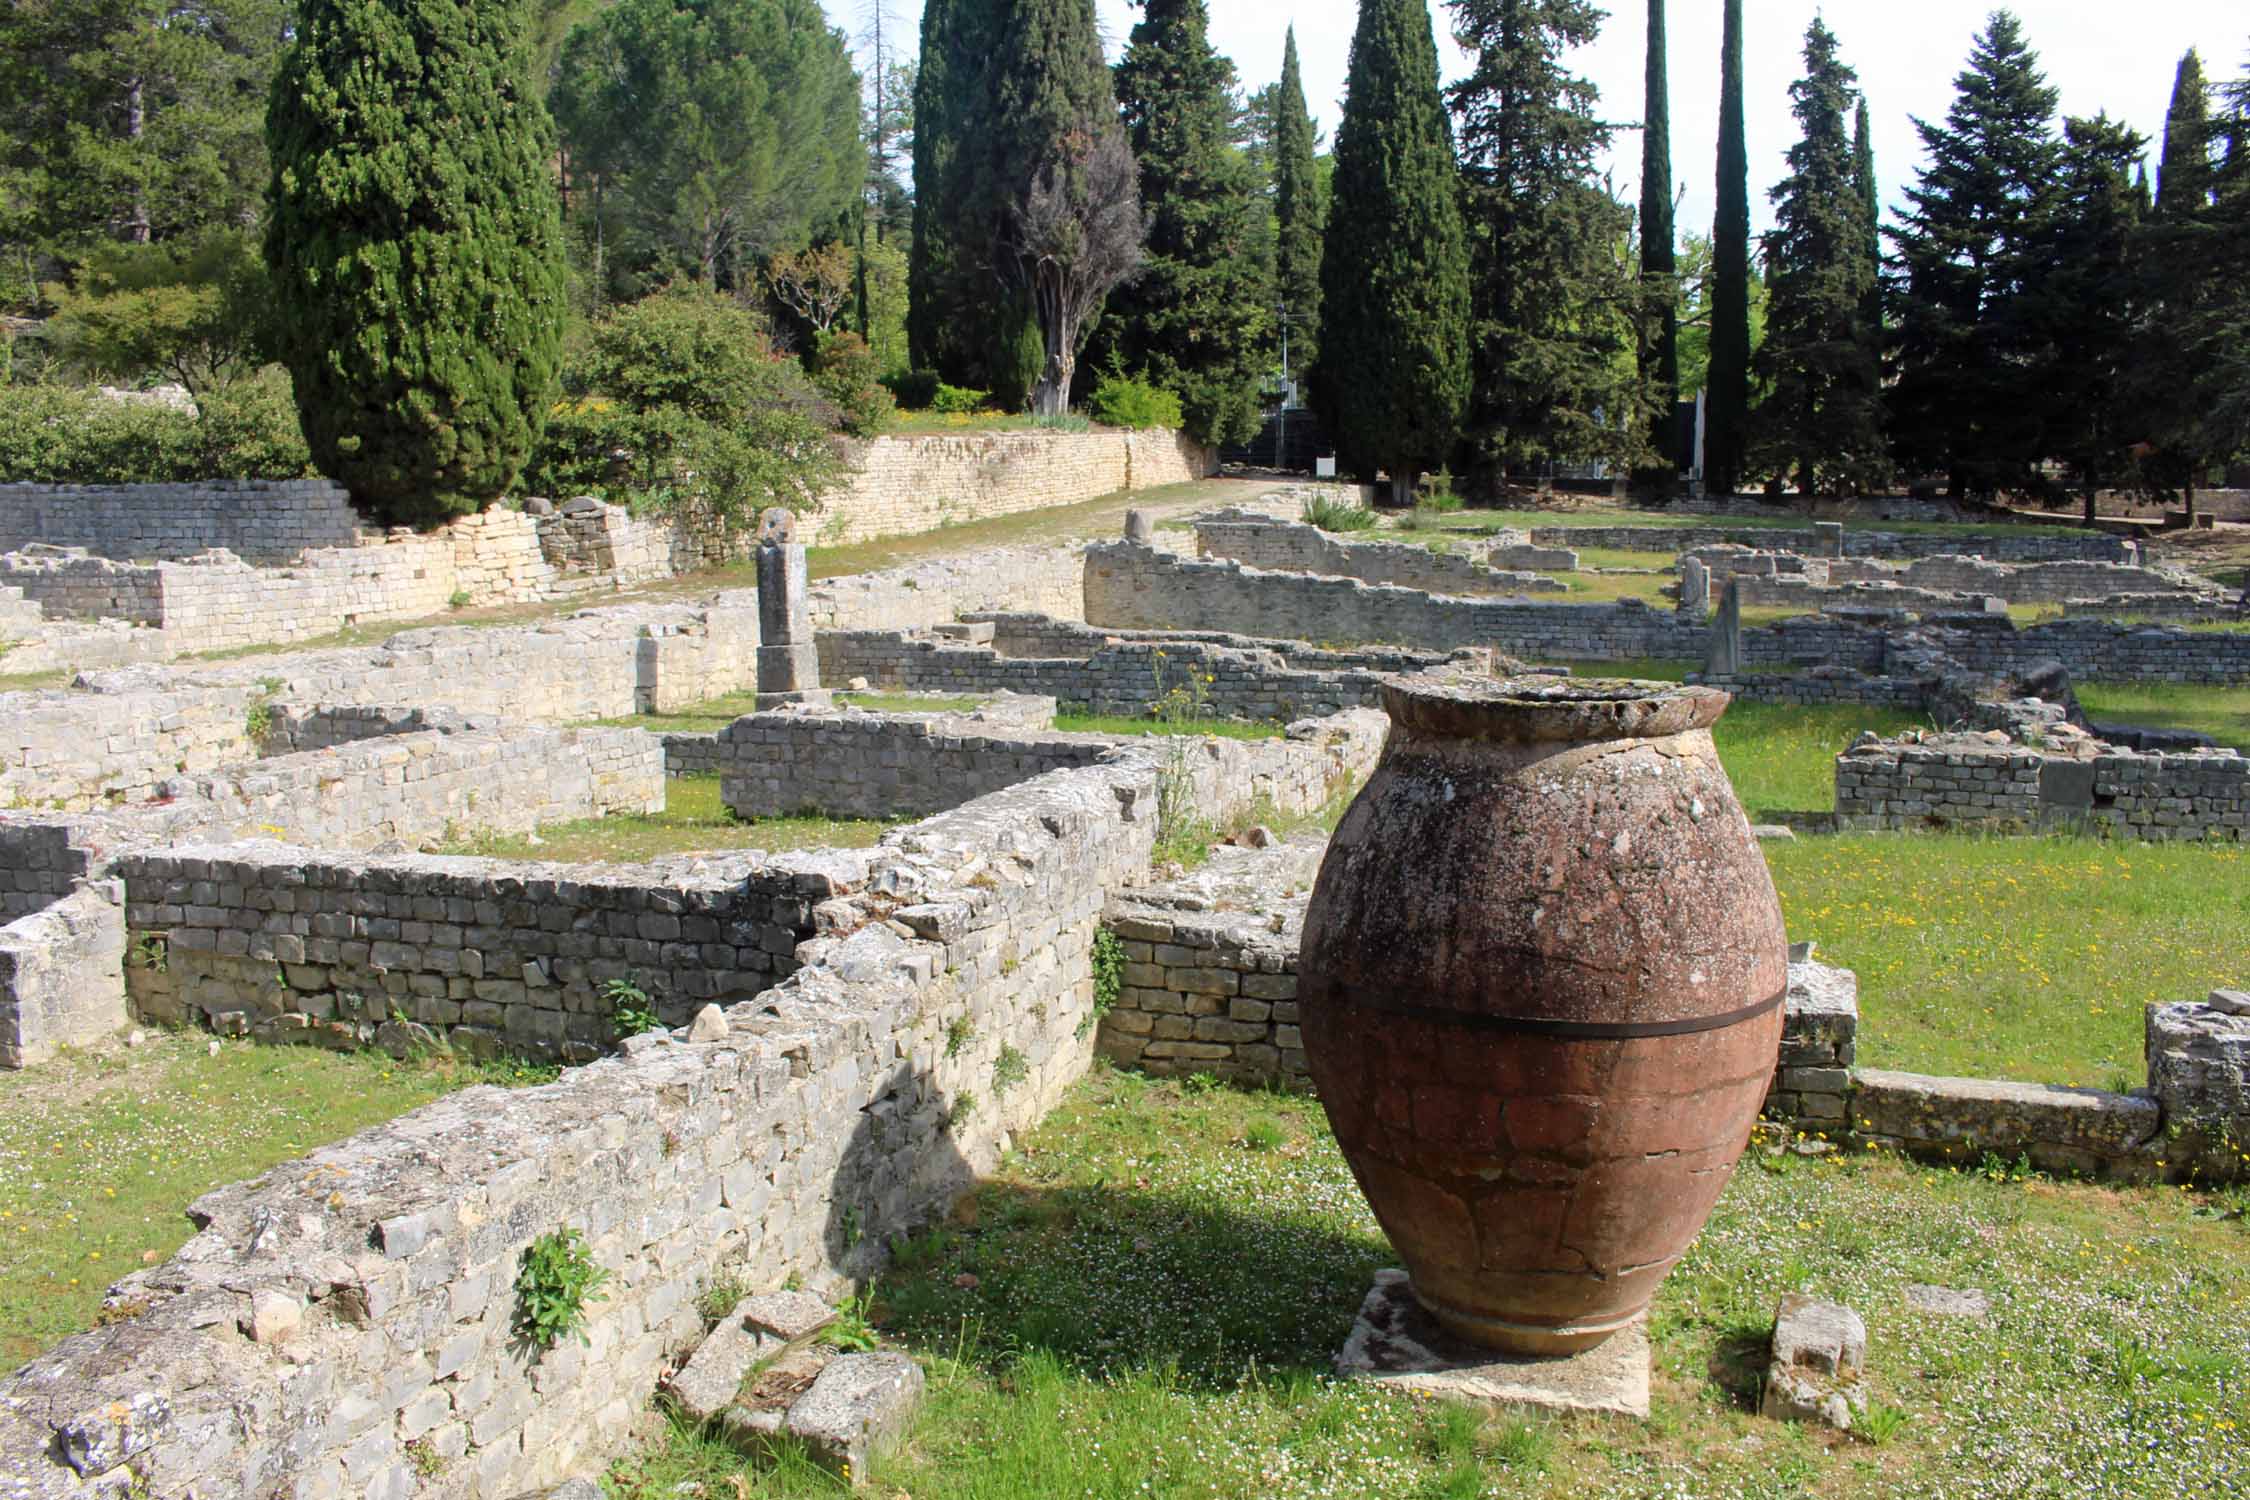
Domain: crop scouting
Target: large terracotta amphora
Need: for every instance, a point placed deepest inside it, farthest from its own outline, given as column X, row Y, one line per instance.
column 1541, row 991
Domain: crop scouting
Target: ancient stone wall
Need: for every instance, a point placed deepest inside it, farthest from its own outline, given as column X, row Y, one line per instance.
column 73, row 751
column 267, row 520
column 43, row 858
column 1039, row 580
column 1999, row 546
column 1136, row 587
column 902, row 485
column 1971, row 781
column 1295, row 547
column 62, row 978
column 303, row 1343
column 1126, row 678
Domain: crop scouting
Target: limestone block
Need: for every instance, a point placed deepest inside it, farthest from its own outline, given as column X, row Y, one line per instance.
column 858, row 1408
column 1819, row 1351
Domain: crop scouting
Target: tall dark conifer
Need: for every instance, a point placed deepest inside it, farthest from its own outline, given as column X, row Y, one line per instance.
column 1821, row 419
column 1394, row 358
column 1727, row 408
column 415, row 239
column 1871, row 201
column 1300, row 211
column 1965, row 327
column 1194, row 319
column 1660, row 359
column 1555, row 306
column 2091, row 288
column 2174, row 392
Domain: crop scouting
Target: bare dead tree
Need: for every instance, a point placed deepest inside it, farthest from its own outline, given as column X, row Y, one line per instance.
column 816, row 283
column 1074, row 234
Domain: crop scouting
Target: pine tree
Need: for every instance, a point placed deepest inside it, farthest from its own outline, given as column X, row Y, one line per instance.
column 729, row 129
column 2091, row 289
column 1300, row 211
column 2221, row 341
column 416, row 246
column 1660, row 362
column 1194, row 319
column 1964, row 329
column 1394, row 368
column 1554, row 299
column 1821, row 419
column 2174, row 393
column 1057, row 201
column 1727, row 408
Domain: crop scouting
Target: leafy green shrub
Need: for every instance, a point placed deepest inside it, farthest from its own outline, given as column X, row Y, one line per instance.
column 684, row 402
column 557, row 1280
column 1122, row 402
column 1331, row 513
column 844, row 372
column 916, row 390
column 631, row 1012
column 1109, row 971
column 1010, row 1068
column 415, row 236
column 958, row 398
column 60, row 435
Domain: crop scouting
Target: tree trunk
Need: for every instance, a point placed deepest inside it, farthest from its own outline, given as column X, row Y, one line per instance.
column 1402, row 488
column 2187, row 490
column 1051, row 396
column 2090, row 512
column 136, row 120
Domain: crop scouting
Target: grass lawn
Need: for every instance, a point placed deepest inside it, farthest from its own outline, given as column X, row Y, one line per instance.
column 1146, row 1299
column 1497, row 520
column 1227, row 729
column 1782, row 756
column 2025, row 958
column 694, row 821
column 2220, row 712
column 939, row 423
column 100, row 1153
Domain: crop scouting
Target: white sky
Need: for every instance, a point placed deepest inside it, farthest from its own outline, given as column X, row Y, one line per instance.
column 2114, row 55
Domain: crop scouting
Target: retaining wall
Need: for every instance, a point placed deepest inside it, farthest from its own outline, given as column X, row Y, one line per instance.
column 270, row 520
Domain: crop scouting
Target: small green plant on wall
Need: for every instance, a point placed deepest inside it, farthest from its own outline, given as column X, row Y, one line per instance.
column 557, row 1281
column 631, row 1012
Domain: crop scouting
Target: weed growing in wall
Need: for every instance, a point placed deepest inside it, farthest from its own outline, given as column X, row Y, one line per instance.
column 959, row 1032
column 631, row 1012
column 1330, row 513
column 1010, row 1068
column 557, row 1281
column 1109, row 971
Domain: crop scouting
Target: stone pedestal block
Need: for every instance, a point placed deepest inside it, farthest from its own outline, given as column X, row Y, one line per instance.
column 1397, row 1343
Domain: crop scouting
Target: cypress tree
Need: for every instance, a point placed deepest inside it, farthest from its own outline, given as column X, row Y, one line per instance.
column 1727, row 408
column 1554, row 307
column 1300, row 211
column 1660, row 363
column 1394, row 368
column 416, row 245
column 2174, row 391
column 1194, row 320
column 1055, row 195
column 1871, row 202
column 1821, row 419
column 1964, row 328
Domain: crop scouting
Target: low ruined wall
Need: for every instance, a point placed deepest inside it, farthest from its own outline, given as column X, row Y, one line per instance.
column 269, row 520
column 1295, row 547
column 902, row 485
column 62, row 977
column 43, row 858
column 1998, row 546
column 1966, row 781
column 1037, row 580
column 847, row 1105
column 1127, row 678
column 2103, row 650
column 1208, row 992
column 74, row 751
column 1136, row 587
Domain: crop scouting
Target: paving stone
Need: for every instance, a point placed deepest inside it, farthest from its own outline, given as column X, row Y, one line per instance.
column 859, row 1408
column 1397, row 1344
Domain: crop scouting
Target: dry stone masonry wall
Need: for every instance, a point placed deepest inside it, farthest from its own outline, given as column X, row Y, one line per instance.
column 1989, row 781
column 1294, row 547
column 269, row 520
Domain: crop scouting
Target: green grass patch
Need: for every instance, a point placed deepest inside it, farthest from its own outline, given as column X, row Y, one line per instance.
column 1782, row 756
column 1498, row 520
column 100, row 1153
column 1226, row 729
column 714, row 714
column 1145, row 1302
column 2025, row 958
column 913, row 703
column 1617, row 557
column 2222, row 712
column 694, row 821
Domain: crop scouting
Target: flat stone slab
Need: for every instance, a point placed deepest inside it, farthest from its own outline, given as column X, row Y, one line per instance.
column 1819, row 1349
column 759, row 1331
column 859, row 1407
column 1949, row 1302
column 1398, row 1344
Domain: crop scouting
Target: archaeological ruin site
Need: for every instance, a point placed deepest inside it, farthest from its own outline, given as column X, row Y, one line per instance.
column 765, row 1080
